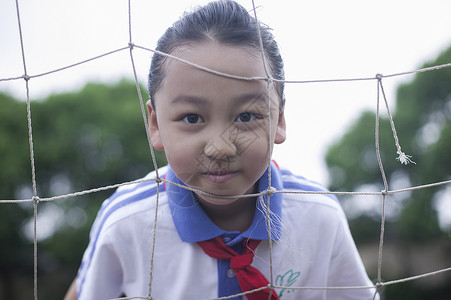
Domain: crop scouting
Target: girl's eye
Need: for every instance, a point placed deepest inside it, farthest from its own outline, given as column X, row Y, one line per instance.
column 246, row 117
column 192, row 119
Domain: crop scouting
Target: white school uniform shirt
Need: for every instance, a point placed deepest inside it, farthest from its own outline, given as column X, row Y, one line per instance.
column 311, row 245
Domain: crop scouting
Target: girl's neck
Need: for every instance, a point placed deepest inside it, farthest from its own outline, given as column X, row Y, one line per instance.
column 237, row 216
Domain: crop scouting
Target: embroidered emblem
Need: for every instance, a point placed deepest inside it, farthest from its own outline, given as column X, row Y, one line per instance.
column 287, row 279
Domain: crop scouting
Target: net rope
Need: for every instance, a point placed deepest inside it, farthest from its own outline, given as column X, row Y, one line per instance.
column 131, row 46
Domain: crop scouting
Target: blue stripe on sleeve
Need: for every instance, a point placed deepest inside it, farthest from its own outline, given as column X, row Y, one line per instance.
column 134, row 198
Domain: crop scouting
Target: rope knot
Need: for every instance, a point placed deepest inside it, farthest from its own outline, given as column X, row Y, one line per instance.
column 269, row 79
column 270, row 191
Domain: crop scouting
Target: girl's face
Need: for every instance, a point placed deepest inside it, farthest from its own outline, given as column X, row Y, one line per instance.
column 215, row 130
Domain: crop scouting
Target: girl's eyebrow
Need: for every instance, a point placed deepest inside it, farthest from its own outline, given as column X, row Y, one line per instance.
column 243, row 99
column 251, row 97
column 184, row 99
column 252, row 100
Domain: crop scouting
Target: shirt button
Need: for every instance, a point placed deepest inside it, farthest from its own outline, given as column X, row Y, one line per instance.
column 230, row 273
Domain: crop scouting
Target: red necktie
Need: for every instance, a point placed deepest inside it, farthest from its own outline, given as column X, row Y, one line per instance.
column 249, row 277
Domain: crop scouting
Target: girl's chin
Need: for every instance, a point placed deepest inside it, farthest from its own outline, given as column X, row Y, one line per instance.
column 216, row 201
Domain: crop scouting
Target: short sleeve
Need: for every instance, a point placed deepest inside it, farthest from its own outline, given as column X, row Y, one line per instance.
column 100, row 276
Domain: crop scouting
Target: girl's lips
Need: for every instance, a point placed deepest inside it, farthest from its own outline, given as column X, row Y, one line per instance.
column 220, row 177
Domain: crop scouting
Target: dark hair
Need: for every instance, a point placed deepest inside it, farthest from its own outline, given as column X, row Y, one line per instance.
column 224, row 21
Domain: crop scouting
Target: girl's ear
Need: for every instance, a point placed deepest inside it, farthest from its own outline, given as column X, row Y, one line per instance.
column 281, row 131
column 154, row 130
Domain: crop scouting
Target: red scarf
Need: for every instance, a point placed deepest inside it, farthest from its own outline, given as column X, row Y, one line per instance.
column 249, row 277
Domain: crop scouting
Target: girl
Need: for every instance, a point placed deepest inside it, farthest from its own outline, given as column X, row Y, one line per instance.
column 222, row 229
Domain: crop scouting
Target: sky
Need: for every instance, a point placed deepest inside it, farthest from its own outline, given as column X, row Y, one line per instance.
column 318, row 39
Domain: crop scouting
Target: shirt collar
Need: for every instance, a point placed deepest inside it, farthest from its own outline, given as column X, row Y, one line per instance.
column 193, row 224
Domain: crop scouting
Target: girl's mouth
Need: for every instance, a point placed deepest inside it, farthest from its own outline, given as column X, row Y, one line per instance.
column 220, row 176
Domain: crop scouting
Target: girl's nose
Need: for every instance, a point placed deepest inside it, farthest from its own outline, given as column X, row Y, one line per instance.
column 221, row 147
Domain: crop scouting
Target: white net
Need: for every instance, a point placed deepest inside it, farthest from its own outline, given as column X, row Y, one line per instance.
column 131, row 47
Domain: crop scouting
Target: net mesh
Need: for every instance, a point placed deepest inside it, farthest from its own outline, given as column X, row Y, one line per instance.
column 131, row 47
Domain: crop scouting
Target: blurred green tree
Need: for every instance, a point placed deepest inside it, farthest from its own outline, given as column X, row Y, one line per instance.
column 87, row 139
column 422, row 117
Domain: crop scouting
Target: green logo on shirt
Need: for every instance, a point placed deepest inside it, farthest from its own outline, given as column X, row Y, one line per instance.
column 286, row 280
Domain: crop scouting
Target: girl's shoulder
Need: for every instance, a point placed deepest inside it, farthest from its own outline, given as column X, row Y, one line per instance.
column 302, row 191
column 130, row 199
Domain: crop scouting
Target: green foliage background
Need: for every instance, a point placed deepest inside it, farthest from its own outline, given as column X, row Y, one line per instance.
column 82, row 140
column 422, row 117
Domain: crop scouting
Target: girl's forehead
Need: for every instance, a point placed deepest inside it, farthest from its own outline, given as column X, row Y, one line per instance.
column 236, row 60
column 182, row 79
